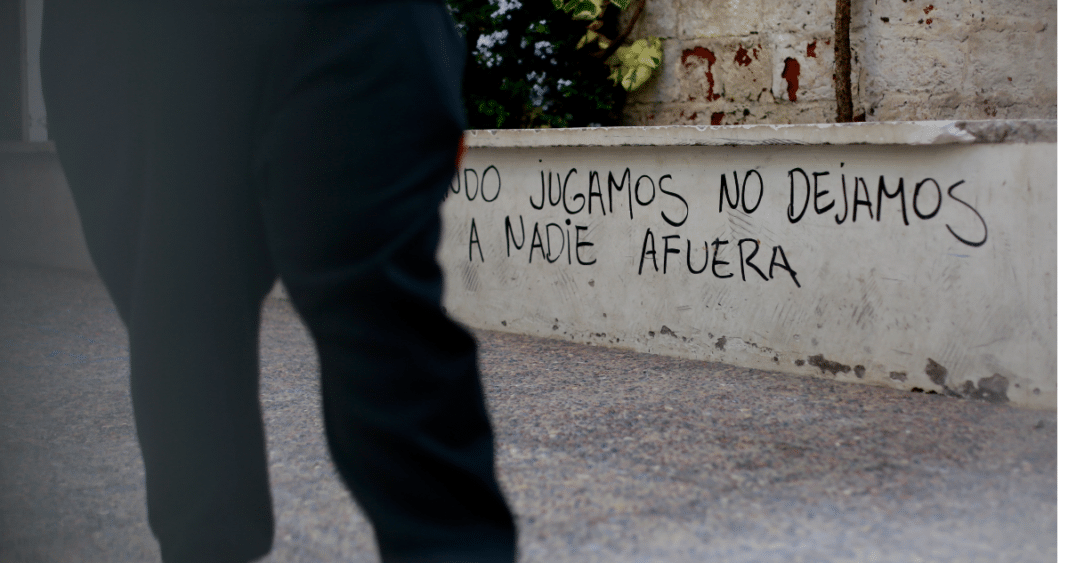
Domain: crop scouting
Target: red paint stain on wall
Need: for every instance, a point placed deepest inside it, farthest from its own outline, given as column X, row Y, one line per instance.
column 692, row 117
column 812, row 49
column 717, row 118
column 741, row 57
column 928, row 9
column 791, row 72
column 710, row 59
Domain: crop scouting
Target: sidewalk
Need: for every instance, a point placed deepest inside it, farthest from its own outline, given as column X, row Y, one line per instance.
column 606, row 455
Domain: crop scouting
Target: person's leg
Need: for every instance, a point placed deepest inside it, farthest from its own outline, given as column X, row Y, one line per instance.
column 154, row 131
column 360, row 145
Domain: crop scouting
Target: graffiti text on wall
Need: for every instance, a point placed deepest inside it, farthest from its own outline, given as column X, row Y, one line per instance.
column 812, row 195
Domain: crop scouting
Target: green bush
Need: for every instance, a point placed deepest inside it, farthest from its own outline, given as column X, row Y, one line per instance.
column 523, row 70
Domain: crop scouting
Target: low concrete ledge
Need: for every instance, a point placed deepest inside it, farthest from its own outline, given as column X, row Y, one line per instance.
column 883, row 133
column 919, row 256
column 38, row 221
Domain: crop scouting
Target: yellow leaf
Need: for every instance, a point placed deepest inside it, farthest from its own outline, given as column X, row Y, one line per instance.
column 590, row 36
column 648, row 57
column 636, row 78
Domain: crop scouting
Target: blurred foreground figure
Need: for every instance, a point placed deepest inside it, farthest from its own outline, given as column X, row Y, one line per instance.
column 214, row 146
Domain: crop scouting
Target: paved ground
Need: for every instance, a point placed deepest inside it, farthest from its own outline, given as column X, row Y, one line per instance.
column 606, row 455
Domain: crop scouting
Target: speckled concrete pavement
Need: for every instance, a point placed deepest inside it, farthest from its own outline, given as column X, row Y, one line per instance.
column 606, row 455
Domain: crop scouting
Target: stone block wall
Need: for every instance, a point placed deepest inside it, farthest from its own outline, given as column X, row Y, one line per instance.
column 772, row 61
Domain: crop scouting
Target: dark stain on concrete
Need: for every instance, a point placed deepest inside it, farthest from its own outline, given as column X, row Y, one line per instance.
column 665, row 330
column 799, row 362
column 993, row 389
column 936, row 372
column 859, row 370
column 721, row 343
column 717, row 118
column 899, row 375
column 504, row 323
column 811, row 51
column 826, row 365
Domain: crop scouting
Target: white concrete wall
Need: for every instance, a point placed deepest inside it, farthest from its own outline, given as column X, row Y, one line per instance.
column 39, row 223
column 726, row 61
column 947, row 286
column 37, row 130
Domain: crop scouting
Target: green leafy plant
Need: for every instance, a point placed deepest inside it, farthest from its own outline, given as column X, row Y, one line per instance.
column 542, row 63
column 633, row 65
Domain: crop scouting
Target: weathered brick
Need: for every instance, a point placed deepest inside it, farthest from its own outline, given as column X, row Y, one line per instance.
column 699, row 68
column 909, row 65
column 908, row 107
column 1028, row 9
column 811, row 74
column 720, row 18
column 1002, row 62
column 640, row 113
column 912, row 59
column 746, row 69
column 659, row 18
column 792, row 16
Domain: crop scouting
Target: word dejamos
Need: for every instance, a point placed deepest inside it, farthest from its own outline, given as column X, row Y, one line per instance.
column 862, row 198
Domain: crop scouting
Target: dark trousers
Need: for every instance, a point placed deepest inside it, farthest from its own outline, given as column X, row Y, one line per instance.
column 211, row 150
